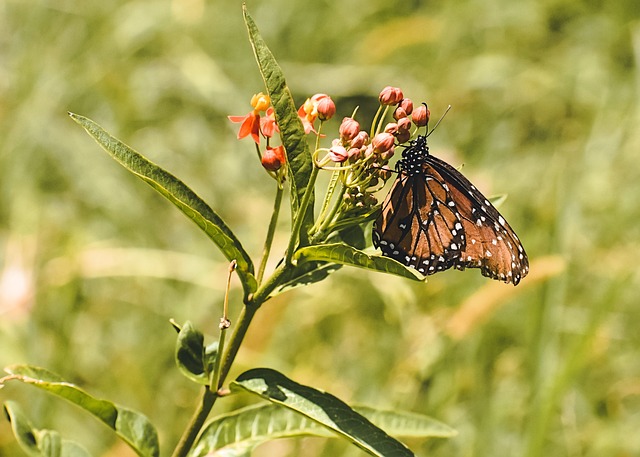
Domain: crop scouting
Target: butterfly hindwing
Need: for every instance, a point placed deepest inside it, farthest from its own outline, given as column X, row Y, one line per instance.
column 434, row 219
column 491, row 245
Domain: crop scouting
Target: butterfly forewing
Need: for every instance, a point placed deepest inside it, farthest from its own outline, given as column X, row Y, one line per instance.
column 434, row 219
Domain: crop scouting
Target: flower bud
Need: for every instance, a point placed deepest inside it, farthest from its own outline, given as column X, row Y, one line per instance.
column 399, row 113
column 403, row 136
column 260, row 102
column 382, row 142
column 338, row 153
column 349, row 129
column 391, row 128
column 390, row 95
column 273, row 158
column 360, row 139
column 353, row 153
column 404, row 124
column 326, row 108
column 407, row 105
column 420, row 116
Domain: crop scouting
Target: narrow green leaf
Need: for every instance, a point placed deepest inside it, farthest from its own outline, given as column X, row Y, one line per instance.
column 247, row 428
column 40, row 443
column 348, row 255
column 323, row 408
column 291, row 130
column 131, row 426
column 180, row 195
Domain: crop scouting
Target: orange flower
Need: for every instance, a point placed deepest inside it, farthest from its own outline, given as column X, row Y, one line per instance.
column 250, row 123
column 268, row 123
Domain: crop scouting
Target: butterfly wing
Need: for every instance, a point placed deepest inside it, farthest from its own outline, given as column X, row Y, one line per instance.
column 419, row 224
column 491, row 244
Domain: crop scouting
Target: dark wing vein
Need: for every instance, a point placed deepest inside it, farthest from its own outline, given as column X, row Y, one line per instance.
column 491, row 243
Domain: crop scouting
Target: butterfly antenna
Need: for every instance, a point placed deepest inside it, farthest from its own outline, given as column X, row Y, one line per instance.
column 439, row 120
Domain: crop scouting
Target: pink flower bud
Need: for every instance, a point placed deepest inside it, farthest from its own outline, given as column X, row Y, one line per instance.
column 326, row 108
column 360, row 139
column 273, row 158
column 354, row 153
column 390, row 95
column 383, row 142
column 403, row 136
column 338, row 153
column 399, row 113
column 420, row 116
column 404, row 124
column 407, row 105
column 391, row 128
column 349, row 129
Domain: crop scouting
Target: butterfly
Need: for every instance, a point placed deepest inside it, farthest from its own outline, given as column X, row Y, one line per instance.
column 434, row 219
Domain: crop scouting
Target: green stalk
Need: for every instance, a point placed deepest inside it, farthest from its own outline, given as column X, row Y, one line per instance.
column 270, row 233
column 335, row 176
column 304, row 204
column 332, row 214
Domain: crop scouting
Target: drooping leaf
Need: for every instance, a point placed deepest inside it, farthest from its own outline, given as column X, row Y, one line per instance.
column 131, row 426
column 323, row 408
column 194, row 359
column 180, row 195
column 242, row 430
column 348, row 255
column 40, row 443
column 291, row 130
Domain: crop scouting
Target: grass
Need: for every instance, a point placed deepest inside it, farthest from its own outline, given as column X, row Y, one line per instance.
column 93, row 264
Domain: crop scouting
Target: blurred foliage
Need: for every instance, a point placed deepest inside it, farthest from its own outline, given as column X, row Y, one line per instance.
column 93, row 263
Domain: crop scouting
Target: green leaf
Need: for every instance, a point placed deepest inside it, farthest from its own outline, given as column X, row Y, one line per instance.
column 292, row 134
column 305, row 274
column 323, row 408
column 40, row 443
column 242, row 430
column 131, row 426
column 195, row 360
column 348, row 255
column 180, row 195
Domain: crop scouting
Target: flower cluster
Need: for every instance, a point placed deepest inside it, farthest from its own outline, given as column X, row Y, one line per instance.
column 358, row 158
column 253, row 124
column 362, row 157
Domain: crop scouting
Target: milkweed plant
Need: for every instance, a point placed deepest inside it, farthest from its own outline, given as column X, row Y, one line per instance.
column 293, row 149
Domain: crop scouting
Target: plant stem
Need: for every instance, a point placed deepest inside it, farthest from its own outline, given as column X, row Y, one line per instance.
column 196, row 423
column 302, row 210
column 270, row 233
column 210, row 394
column 335, row 176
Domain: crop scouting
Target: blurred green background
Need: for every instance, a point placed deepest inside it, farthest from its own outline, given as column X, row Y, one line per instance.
column 93, row 263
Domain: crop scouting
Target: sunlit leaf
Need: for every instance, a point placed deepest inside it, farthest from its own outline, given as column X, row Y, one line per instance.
column 180, row 195
column 134, row 428
column 40, row 443
column 244, row 429
column 291, row 130
column 347, row 255
column 323, row 408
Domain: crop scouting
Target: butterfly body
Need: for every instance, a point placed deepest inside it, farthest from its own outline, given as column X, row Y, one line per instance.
column 434, row 219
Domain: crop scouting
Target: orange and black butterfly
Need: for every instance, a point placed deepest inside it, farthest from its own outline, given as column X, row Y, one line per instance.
column 434, row 219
